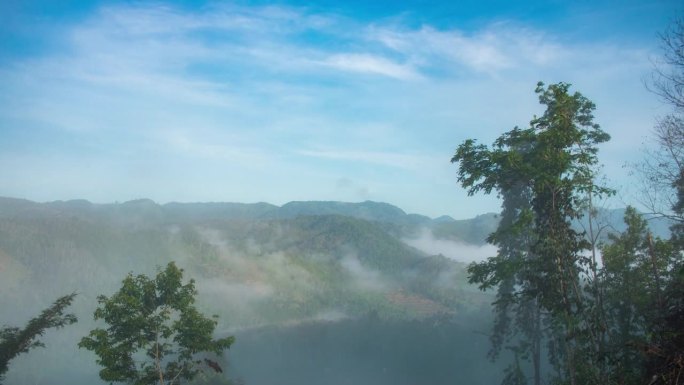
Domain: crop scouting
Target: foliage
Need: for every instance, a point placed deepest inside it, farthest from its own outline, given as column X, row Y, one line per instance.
column 154, row 332
column 543, row 173
column 14, row 341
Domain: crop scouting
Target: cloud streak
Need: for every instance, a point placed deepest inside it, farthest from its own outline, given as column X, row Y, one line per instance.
column 371, row 64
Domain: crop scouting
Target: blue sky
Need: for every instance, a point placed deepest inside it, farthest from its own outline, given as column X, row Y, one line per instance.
column 280, row 101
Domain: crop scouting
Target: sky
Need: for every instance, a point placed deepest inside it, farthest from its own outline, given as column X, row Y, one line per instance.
column 194, row 101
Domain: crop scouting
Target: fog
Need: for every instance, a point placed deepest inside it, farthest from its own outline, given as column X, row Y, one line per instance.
column 362, row 277
column 457, row 251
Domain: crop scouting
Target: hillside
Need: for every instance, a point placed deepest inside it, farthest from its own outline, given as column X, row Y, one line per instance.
column 311, row 255
column 303, row 268
column 303, row 258
column 256, row 266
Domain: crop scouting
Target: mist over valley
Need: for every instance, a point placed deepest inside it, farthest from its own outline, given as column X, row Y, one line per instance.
column 303, row 287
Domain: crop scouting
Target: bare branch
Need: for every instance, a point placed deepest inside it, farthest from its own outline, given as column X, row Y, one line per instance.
column 667, row 80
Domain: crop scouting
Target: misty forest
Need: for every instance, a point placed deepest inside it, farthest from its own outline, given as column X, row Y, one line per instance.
column 556, row 288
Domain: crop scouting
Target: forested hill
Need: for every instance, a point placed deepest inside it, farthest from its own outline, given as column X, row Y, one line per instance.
column 391, row 218
column 300, row 261
column 256, row 265
column 368, row 210
column 147, row 212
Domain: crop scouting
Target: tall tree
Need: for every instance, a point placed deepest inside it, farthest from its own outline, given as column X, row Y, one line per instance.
column 515, row 315
column 153, row 318
column 543, row 173
column 14, row 340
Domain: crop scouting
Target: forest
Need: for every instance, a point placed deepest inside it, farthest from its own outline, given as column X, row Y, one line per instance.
column 567, row 292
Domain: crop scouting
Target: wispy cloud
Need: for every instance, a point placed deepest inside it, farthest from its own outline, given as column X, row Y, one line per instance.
column 497, row 47
column 371, row 64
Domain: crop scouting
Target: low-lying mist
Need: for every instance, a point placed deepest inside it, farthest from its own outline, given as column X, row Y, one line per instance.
column 454, row 250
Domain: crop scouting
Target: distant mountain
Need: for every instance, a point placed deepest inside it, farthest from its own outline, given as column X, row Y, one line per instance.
column 368, row 210
column 443, row 219
column 393, row 220
column 219, row 210
column 143, row 212
column 473, row 231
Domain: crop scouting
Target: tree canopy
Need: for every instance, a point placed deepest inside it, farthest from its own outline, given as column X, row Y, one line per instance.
column 154, row 332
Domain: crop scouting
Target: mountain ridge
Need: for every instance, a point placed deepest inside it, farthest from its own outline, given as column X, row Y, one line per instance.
column 370, row 210
column 393, row 219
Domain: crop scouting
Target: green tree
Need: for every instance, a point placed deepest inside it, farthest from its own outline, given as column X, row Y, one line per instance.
column 154, row 332
column 543, row 173
column 517, row 317
column 635, row 273
column 14, row 341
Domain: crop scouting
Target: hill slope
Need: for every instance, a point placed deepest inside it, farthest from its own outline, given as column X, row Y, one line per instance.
column 313, row 270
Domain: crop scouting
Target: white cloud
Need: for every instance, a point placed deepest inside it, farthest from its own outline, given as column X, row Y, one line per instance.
column 371, row 64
